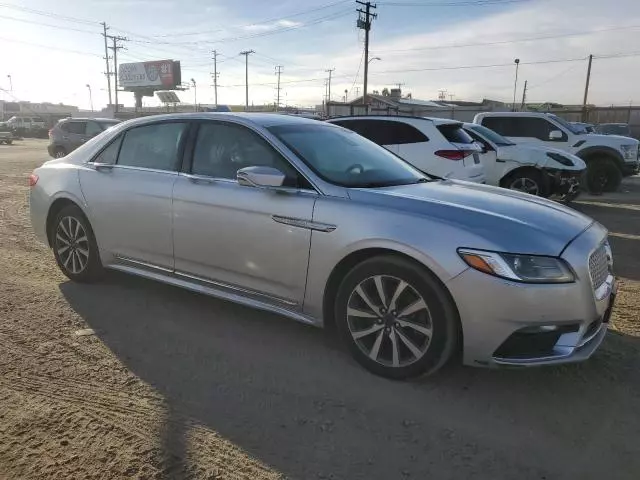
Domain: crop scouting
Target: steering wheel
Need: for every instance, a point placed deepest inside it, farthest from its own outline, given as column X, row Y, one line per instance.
column 355, row 169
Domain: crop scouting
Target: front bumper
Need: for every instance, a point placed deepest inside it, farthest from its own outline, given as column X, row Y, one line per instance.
column 565, row 183
column 515, row 324
column 631, row 168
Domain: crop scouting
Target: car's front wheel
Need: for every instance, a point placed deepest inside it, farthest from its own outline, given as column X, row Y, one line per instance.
column 74, row 246
column 603, row 175
column 396, row 318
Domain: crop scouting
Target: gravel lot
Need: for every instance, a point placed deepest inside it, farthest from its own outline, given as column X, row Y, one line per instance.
column 178, row 385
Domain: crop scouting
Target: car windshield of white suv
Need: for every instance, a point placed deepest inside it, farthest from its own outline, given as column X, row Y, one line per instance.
column 344, row 158
column 572, row 128
column 492, row 136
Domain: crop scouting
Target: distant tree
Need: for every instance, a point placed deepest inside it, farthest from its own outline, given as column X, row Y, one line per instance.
column 409, row 95
column 376, row 92
column 385, row 92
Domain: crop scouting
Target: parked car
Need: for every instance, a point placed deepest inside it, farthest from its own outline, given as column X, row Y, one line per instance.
column 621, row 129
column 608, row 158
column 436, row 146
column 22, row 126
column 69, row 133
column 314, row 222
column 6, row 138
column 534, row 169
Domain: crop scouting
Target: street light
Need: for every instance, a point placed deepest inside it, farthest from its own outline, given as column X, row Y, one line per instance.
column 90, row 96
column 374, row 58
column 10, row 83
column 345, row 95
column 515, row 84
column 195, row 95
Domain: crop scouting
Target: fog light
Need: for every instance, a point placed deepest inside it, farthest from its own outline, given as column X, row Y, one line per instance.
column 539, row 329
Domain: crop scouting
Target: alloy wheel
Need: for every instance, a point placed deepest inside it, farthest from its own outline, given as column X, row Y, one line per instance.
column 72, row 245
column 389, row 321
column 526, row 185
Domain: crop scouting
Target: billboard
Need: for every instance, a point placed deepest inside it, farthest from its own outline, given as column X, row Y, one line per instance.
column 156, row 75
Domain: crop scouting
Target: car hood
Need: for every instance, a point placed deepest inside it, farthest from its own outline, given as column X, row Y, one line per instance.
column 501, row 219
column 598, row 139
column 532, row 154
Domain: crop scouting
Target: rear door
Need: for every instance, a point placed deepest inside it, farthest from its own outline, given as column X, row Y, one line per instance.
column 73, row 134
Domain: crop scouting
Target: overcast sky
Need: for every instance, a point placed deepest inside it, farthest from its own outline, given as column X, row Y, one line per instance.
column 52, row 50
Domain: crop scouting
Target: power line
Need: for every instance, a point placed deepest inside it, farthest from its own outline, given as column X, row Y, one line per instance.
column 49, row 14
column 49, row 47
column 467, row 3
column 501, row 42
column 355, row 79
column 42, row 24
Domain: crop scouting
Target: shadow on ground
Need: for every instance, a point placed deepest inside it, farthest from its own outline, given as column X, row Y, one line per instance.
column 289, row 396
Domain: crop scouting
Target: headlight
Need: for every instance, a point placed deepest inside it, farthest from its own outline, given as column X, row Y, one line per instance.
column 629, row 152
column 560, row 159
column 518, row 267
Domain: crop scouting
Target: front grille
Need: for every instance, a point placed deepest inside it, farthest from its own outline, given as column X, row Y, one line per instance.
column 598, row 266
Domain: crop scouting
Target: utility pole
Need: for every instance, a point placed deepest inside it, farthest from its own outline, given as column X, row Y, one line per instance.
column 357, row 89
column 586, row 90
column 278, row 72
column 364, row 23
column 331, row 70
column 524, row 95
column 515, row 85
column 106, row 59
column 215, row 78
column 400, row 85
column 115, row 47
column 246, row 54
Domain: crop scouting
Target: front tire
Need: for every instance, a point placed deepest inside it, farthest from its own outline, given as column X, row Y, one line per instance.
column 396, row 318
column 74, row 246
column 526, row 181
column 603, row 175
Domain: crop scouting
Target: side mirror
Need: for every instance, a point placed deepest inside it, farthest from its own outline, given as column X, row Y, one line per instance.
column 555, row 135
column 264, row 177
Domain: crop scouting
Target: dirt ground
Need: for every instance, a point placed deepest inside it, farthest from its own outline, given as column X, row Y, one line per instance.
column 177, row 385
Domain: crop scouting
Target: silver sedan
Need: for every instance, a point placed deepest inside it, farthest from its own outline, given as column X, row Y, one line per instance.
column 316, row 223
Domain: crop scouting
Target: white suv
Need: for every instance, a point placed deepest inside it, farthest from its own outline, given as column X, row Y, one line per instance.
column 608, row 157
column 435, row 146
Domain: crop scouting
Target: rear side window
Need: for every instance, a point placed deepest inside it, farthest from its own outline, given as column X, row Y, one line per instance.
column 93, row 129
column 455, row 134
column 385, row 132
column 152, row 146
column 77, row 128
column 110, row 154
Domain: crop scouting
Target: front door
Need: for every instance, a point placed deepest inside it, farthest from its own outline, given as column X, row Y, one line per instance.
column 128, row 190
column 239, row 236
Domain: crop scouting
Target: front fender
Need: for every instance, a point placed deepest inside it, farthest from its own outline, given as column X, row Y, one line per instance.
column 600, row 151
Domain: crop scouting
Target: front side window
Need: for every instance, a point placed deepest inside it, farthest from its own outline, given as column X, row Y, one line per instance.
column 152, row 146
column 345, row 158
column 93, row 129
column 222, row 149
column 490, row 135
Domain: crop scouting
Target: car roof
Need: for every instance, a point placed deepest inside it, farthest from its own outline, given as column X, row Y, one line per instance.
column 398, row 118
column 248, row 118
column 514, row 114
column 82, row 119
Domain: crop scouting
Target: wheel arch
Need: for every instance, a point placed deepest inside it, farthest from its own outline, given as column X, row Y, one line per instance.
column 55, row 207
column 355, row 257
column 593, row 153
column 527, row 168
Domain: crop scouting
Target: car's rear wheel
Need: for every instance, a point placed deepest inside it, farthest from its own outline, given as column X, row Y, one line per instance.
column 59, row 152
column 603, row 175
column 74, row 246
column 396, row 318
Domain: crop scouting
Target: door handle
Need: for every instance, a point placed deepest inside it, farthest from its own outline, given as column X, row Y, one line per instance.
column 199, row 180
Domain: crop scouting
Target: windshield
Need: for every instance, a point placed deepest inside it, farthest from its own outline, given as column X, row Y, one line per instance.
column 344, row 158
column 491, row 136
column 572, row 128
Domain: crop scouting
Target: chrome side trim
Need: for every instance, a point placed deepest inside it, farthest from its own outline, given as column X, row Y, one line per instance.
column 235, row 288
column 304, row 223
column 226, row 286
column 215, row 292
column 143, row 264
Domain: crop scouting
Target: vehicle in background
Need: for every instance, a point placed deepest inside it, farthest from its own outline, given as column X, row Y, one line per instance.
column 6, row 138
column 534, row 169
column 69, row 133
column 312, row 221
column 608, row 157
column 584, row 127
column 22, row 126
column 435, row 146
column 621, row 129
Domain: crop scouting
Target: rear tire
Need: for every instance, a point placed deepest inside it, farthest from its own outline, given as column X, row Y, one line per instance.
column 74, row 246
column 406, row 326
column 603, row 175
